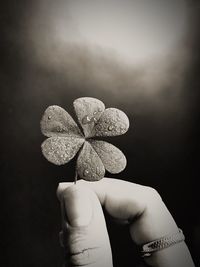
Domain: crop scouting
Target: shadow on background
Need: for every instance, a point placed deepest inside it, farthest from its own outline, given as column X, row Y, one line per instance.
column 160, row 98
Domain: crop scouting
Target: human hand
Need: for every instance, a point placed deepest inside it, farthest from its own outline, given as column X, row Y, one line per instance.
column 84, row 228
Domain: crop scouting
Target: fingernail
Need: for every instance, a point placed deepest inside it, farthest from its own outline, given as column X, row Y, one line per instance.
column 77, row 205
column 61, row 187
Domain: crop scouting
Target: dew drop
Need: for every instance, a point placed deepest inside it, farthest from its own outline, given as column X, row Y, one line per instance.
column 95, row 112
column 86, row 120
column 97, row 170
column 49, row 117
column 110, row 128
column 122, row 129
column 86, row 172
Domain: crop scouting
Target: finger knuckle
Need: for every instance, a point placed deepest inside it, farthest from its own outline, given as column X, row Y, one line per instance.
column 152, row 194
column 82, row 250
column 85, row 257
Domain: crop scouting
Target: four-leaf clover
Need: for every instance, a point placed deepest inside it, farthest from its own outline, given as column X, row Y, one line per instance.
column 65, row 139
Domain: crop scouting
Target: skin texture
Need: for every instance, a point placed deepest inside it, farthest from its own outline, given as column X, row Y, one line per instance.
column 84, row 230
column 85, row 235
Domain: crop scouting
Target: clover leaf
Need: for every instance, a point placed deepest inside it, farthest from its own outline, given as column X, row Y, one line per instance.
column 65, row 139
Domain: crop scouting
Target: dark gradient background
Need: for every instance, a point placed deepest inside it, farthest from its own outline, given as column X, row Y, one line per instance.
column 139, row 56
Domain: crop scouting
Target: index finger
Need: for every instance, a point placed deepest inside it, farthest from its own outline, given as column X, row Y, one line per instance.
column 122, row 200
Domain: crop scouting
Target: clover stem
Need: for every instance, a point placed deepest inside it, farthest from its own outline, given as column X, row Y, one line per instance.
column 75, row 177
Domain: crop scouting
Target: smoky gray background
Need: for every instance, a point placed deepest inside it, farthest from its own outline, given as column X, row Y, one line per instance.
column 138, row 56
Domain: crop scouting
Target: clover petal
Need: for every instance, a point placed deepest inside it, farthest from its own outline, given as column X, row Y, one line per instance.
column 112, row 122
column 57, row 122
column 88, row 111
column 89, row 165
column 66, row 139
column 113, row 159
column 60, row 150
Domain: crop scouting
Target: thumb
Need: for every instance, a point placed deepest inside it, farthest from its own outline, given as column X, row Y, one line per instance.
column 86, row 239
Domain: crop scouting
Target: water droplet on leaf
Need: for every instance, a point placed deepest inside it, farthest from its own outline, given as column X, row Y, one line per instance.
column 110, row 128
column 86, row 172
column 86, row 120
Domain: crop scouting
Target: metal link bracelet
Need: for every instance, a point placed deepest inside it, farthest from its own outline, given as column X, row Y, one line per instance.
column 162, row 243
